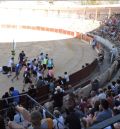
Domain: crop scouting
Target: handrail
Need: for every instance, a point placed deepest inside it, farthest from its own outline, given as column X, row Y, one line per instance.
column 42, row 107
column 106, row 123
column 11, row 97
column 100, row 125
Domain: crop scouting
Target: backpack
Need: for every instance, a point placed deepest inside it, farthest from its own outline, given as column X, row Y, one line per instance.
column 48, row 122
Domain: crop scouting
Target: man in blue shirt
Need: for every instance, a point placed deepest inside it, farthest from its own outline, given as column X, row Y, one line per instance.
column 17, row 71
column 105, row 113
column 14, row 93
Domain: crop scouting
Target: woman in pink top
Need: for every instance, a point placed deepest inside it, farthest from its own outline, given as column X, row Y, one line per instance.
column 50, row 73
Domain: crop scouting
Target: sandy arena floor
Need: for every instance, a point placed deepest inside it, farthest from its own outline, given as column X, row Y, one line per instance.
column 69, row 55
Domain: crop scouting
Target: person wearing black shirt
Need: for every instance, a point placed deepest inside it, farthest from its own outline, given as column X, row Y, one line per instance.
column 21, row 57
column 27, row 78
column 58, row 97
column 73, row 119
column 32, row 91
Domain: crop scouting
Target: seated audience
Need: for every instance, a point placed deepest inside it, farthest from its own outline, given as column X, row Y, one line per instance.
column 59, row 122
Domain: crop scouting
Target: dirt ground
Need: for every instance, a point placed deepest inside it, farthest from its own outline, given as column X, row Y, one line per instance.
column 68, row 54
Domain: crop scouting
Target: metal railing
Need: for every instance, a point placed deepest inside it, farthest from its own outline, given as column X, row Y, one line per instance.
column 30, row 102
column 29, row 99
column 106, row 123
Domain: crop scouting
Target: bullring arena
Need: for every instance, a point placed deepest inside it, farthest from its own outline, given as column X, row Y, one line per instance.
column 66, row 34
column 35, row 34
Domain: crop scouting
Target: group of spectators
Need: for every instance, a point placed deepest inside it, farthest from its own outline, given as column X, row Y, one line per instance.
column 110, row 28
column 102, row 104
column 83, row 112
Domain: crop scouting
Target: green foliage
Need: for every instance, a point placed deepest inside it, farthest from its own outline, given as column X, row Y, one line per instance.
column 89, row 2
column 99, row 2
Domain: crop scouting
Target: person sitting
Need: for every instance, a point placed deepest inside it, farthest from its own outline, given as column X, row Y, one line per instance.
column 34, row 120
column 73, row 118
column 59, row 122
column 105, row 113
column 102, row 94
column 18, row 118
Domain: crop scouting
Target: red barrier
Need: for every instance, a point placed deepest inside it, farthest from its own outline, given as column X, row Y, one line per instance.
column 51, row 30
column 78, row 35
column 46, row 29
column 42, row 28
column 64, row 31
column 72, row 33
column 55, row 30
column 61, row 31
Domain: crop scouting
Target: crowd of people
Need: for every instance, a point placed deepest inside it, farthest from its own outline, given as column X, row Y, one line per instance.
column 37, row 73
column 110, row 28
column 101, row 104
column 78, row 113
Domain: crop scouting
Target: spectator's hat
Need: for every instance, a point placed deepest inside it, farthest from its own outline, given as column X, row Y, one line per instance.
column 56, row 113
column 58, row 88
column 100, row 90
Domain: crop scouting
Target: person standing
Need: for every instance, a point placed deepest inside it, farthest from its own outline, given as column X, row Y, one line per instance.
column 45, row 62
column 59, row 122
column 114, row 53
column 21, row 57
column 50, row 64
column 94, row 43
column 66, row 78
column 10, row 66
column 17, row 72
column 27, row 78
column 58, row 97
column 14, row 93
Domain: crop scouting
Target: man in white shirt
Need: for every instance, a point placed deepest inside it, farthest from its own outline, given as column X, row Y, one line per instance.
column 66, row 77
column 10, row 65
column 18, row 118
column 59, row 122
column 101, row 95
